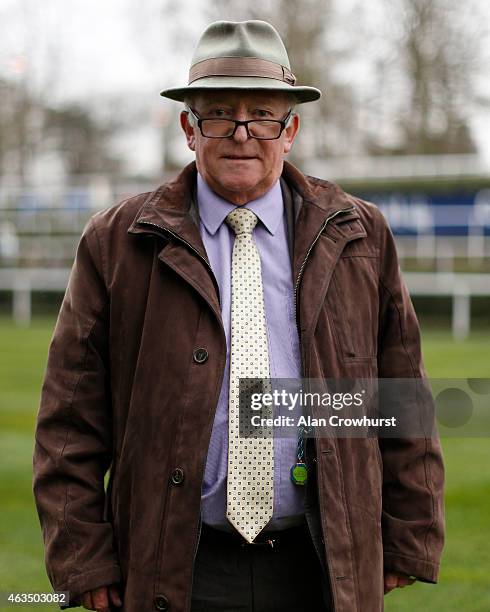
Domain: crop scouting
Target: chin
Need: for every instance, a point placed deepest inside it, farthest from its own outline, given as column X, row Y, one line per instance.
column 237, row 183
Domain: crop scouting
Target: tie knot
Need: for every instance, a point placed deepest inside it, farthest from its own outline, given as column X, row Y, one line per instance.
column 242, row 220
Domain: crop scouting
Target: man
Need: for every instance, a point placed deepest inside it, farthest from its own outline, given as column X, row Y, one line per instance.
column 241, row 267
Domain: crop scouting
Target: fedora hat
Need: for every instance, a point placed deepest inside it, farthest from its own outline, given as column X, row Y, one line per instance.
column 248, row 55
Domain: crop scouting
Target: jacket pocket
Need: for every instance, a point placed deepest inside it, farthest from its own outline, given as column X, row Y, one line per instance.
column 352, row 305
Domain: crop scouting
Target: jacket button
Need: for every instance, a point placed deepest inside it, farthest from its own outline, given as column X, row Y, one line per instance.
column 200, row 355
column 162, row 603
column 177, row 476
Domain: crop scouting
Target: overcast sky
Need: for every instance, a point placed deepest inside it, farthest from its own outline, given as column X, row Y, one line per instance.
column 82, row 49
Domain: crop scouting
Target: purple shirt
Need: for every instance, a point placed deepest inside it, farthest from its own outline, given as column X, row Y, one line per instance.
column 270, row 236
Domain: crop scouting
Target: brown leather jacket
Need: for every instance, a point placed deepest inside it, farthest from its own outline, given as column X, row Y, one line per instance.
column 132, row 381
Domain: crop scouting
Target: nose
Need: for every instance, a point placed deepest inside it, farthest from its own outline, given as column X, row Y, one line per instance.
column 240, row 134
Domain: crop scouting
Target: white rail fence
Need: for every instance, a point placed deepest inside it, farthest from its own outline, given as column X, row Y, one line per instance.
column 459, row 287
column 436, row 235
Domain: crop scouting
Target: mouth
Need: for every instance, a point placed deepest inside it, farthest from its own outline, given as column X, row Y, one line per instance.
column 239, row 157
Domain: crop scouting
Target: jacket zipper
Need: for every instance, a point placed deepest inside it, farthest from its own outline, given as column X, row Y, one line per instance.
column 318, row 554
column 300, row 273
column 296, row 287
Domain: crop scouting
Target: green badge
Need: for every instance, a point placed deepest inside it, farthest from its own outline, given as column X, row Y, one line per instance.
column 299, row 473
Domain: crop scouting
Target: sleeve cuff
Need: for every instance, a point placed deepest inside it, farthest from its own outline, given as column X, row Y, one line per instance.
column 424, row 571
column 78, row 584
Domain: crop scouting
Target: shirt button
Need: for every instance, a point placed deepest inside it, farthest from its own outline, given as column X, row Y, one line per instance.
column 177, row 476
column 161, row 603
column 200, row 355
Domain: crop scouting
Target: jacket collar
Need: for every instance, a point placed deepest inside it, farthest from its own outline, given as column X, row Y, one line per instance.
column 173, row 207
column 313, row 206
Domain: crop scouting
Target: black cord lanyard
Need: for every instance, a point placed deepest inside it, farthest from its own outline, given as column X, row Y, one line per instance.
column 299, row 471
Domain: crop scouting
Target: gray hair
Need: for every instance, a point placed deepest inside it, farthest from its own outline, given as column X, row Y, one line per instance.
column 188, row 102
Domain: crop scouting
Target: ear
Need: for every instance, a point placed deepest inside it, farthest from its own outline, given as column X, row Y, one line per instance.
column 189, row 130
column 290, row 133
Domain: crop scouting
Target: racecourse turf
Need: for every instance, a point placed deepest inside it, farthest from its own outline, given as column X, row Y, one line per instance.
column 464, row 584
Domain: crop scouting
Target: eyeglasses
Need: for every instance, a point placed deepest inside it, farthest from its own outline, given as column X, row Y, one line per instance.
column 262, row 129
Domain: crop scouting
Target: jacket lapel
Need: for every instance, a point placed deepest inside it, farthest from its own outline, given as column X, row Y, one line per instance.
column 319, row 208
column 171, row 212
column 313, row 207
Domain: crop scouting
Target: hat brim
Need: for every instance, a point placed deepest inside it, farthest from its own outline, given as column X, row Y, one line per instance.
column 301, row 94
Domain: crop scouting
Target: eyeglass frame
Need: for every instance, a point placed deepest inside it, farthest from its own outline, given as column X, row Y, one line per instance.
column 237, row 123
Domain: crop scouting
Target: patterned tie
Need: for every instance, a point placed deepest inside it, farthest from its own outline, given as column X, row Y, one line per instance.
column 250, row 484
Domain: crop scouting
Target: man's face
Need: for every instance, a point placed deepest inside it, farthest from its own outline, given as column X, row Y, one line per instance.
column 239, row 168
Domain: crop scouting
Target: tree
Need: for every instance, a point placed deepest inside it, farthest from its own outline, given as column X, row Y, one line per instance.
column 33, row 120
column 82, row 139
column 20, row 126
column 433, row 61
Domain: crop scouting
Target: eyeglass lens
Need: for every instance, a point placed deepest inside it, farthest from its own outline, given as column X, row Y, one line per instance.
column 221, row 128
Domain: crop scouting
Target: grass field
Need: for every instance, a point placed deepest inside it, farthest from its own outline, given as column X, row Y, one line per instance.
column 465, row 575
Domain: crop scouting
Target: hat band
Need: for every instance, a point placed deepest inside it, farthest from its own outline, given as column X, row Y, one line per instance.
column 241, row 67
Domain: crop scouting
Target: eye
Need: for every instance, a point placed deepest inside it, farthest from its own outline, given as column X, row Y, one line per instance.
column 218, row 112
column 261, row 113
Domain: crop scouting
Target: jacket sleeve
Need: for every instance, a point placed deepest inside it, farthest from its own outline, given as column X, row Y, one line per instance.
column 73, row 442
column 413, row 472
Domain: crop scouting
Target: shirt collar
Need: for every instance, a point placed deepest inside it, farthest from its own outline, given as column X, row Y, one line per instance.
column 213, row 208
